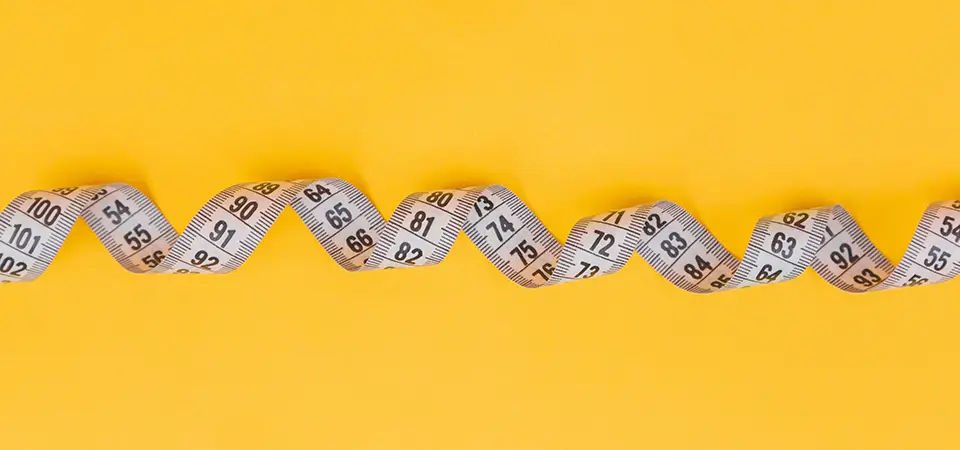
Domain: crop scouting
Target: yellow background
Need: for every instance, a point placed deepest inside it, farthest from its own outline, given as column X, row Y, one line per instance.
column 734, row 109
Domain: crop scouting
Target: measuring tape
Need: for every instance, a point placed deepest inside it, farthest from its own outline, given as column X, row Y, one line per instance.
column 423, row 228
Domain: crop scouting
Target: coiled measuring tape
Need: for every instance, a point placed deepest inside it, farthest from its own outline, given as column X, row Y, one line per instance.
column 423, row 228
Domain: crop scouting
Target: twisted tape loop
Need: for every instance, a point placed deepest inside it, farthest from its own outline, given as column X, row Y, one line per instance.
column 421, row 231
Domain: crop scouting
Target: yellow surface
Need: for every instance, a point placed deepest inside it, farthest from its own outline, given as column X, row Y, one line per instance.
column 735, row 109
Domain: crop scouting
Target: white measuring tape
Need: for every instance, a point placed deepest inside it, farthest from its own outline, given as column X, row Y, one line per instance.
column 423, row 228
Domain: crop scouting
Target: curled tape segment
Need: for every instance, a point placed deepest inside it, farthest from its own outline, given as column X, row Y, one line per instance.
column 423, row 228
